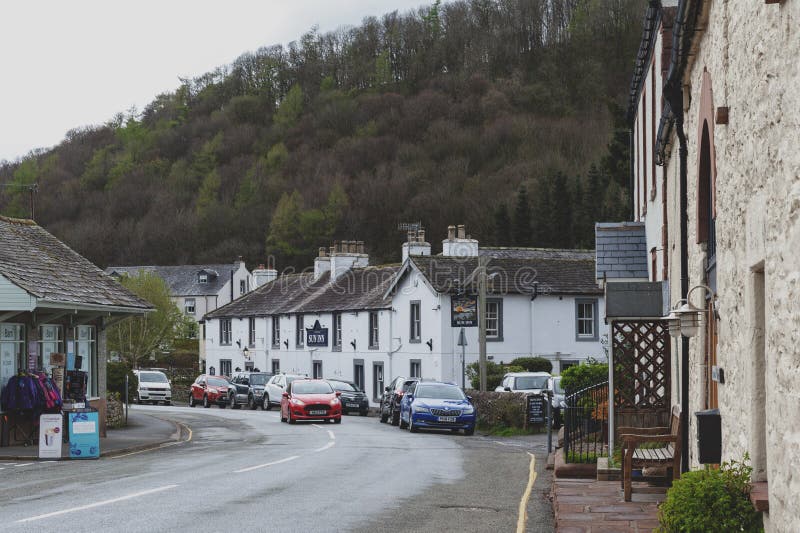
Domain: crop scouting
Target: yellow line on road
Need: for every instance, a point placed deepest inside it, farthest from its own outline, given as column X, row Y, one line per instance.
column 526, row 496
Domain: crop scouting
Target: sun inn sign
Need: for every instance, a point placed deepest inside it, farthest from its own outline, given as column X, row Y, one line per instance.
column 316, row 336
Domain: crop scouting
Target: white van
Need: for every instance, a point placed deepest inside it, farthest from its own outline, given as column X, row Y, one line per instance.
column 154, row 387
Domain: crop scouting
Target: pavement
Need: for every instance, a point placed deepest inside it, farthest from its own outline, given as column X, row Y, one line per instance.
column 144, row 431
column 591, row 506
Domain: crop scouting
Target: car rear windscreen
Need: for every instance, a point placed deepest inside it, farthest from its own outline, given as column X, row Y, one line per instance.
column 153, row 377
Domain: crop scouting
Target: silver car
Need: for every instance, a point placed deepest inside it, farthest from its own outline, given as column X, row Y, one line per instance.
column 273, row 392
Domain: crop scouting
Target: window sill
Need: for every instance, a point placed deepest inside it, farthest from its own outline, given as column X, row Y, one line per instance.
column 415, row 341
column 336, row 349
column 586, row 339
column 494, row 339
column 373, row 348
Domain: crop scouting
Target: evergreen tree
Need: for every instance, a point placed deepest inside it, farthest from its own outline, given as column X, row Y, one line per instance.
column 522, row 219
column 502, row 226
column 561, row 212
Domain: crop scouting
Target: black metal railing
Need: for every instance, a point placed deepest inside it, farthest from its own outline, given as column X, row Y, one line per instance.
column 586, row 424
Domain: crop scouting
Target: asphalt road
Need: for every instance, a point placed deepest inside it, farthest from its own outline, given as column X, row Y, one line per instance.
column 246, row 471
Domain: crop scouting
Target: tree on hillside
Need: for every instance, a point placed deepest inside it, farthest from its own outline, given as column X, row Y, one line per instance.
column 137, row 338
column 502, row 226
column 523, row 232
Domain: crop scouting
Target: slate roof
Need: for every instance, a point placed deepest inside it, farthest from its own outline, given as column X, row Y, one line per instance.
column 356, row 290
column 559, row 272
column 45, row 267
column 621, row 250
column 508, row 252
column 183, row 279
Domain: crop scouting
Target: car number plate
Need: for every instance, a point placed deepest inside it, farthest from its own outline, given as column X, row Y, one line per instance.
column 447, row 419
column 352, row 405
column 316, row 412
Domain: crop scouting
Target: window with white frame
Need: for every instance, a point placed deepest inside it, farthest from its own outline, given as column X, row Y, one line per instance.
column 251, row 337
column 202, row 277
column 416, row 368
column 415, row 333
column 586, row 319
column 276, row 332
column 316, row 369
column 85, row 348
column 225, row 367
column 373, row 330
column 12, row 351
column 225, row 332
column 337, row 332
column 299, row 338
column 358, row 373
column 242, row 287
column 188, row 306
column 494, row 319
column 377, row 381
column 50, row 341
column 276, row 366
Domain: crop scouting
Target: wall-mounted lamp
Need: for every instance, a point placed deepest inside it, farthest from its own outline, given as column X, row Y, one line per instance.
column 246, row 353
column 429, row 342
column 353, row 343
column 239, row 343
column 286, row 343
column 687, row 319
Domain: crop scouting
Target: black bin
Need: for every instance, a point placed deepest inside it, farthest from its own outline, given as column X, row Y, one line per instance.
column 709, row 436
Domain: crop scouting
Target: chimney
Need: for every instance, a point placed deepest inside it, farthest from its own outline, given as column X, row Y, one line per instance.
column 322, row 263
column 461, row 246
column 345, row 256
column 263, row 275
column 416, row 244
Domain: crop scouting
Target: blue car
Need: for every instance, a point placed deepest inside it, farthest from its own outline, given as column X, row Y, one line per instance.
column 433, row 405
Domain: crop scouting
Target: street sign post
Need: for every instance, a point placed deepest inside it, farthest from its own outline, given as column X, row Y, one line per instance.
column 462, row 341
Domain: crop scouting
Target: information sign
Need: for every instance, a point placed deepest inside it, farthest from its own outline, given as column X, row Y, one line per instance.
column 50, row 436
column 84, row 435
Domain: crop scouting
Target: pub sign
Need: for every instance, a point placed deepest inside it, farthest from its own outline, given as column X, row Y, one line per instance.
column 317, row 335
column 464, row 311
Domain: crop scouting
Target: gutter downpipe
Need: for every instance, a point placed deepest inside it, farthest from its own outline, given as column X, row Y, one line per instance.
column 673, row 90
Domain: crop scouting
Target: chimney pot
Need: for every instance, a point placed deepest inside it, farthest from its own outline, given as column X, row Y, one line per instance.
column 462, row 232
column 451, row 233
column 421, row 235
column 261, row 266
column 322, row 251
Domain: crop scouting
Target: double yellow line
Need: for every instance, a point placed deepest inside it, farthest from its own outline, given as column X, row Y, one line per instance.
column 523, row 503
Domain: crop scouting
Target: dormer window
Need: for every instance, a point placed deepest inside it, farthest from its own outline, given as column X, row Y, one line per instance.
column 202, row 277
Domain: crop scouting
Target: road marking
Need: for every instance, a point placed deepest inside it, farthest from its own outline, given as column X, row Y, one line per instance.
column 97, row 504
column 317, row 426
column 329, row 445
column 24, row 464
column 526, row 496
column 331, row 435
column 508, row 444
column 292, row 458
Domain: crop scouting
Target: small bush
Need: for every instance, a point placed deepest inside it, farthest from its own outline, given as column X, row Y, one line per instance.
column 494, row 374
column 584, row 375
column 499, row 409
column 533, row 364
column 115, row 380
column 711, row 500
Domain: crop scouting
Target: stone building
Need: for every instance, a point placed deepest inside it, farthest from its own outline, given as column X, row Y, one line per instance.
column 726, row 146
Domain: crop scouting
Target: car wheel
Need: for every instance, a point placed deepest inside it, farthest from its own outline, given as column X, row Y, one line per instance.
column 167, row 402
column 191, row 400
column 205, row 401
column 266, row 405
column 251, row 403
column 337, row 420
column 364, row 413
column 411, row 427
column 400, row 422
column 469, row 431
column 396, row 419
column 289, row 417
column 384, row 416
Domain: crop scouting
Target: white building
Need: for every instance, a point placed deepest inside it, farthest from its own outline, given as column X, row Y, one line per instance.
column 375, row 323
column 200, row 289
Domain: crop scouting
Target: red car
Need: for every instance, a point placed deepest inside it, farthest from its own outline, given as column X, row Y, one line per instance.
column 310, row 399
column 212, row 389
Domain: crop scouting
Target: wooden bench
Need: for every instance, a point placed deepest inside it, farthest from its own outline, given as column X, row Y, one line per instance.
column 633, row 456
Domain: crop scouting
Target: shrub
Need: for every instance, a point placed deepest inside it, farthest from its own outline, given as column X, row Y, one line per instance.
column 584, row 375
column 499, row 409
column 115, row 380
column 494, row 374
column 533, row 364
column 712, row 500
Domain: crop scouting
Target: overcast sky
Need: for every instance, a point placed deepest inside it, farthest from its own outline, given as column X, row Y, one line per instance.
column 65, row 64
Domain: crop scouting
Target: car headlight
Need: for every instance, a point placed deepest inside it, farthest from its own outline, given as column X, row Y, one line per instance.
column 417, row 409
column 335, row 401
column 295, row 401
column 468, row 410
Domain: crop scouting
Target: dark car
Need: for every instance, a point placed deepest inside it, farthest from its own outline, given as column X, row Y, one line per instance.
column 250, row 388
column 434, row 405
column 353, row 398
column 392, row 395
column 207, row 390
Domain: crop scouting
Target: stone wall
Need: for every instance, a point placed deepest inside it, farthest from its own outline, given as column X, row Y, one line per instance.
column 750, row 50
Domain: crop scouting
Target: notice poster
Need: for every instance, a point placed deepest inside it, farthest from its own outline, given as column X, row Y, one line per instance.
column 33, row 355
column 70, row 355
column 84, row 435
column 50, row 436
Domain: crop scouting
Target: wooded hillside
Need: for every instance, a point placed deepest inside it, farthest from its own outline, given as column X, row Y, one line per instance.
column 503, row 115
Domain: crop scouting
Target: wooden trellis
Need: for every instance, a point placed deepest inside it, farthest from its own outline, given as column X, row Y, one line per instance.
column 641, row 355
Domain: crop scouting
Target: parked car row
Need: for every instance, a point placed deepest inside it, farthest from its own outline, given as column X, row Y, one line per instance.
column 414, row 404
column 265, row 390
